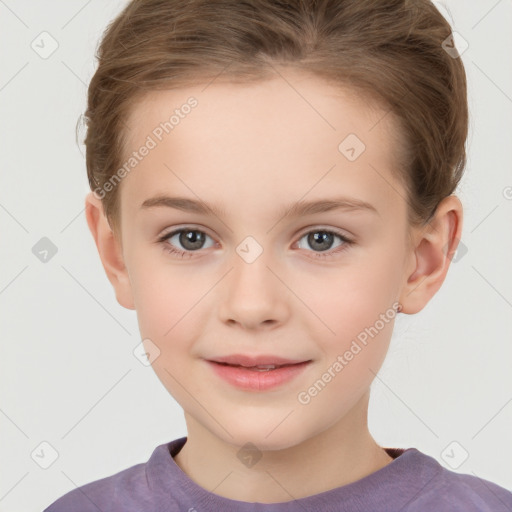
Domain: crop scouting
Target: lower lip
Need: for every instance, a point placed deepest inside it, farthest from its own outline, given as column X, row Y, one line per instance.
column 254, row 380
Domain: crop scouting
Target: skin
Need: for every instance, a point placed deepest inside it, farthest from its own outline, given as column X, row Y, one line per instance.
column 255, row 149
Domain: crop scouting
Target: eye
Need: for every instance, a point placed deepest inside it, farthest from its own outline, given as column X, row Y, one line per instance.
column 322, row 239
column 192, row 240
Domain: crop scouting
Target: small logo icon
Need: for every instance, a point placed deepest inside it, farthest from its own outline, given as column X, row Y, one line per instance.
column 454, row 455
column 44, row 455
column 249, row 249
column 44, row 250
column 455, row 45
column 146, row 352
column 249, row 454
column 351, row 147
column 44, row 45
column 459, row 253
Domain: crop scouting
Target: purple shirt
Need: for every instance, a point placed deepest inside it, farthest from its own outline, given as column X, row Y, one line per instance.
column 412, row 482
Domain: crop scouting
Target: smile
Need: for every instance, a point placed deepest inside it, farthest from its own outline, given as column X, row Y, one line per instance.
column 261, row 377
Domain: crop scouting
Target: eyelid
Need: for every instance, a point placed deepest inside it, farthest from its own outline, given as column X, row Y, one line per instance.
column 323, row 227
column 192, row 227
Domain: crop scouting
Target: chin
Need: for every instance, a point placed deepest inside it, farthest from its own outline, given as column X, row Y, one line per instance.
column 262, row 436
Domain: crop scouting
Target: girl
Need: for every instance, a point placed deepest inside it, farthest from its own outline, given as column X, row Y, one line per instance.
column 227, row 142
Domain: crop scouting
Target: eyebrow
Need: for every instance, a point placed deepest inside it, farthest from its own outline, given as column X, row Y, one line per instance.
column 297, row 209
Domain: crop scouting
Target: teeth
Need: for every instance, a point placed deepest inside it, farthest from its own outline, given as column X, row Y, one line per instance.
column 259, row 368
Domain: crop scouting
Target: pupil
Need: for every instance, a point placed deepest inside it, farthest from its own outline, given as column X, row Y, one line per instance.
column 195, row 238
column 316, row 239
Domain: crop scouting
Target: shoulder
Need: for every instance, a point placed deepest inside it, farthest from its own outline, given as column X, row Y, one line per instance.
column 106, row 494
column 448, row 491
column 132, row 489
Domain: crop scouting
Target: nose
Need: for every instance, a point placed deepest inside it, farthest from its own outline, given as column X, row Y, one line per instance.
column 252, row 295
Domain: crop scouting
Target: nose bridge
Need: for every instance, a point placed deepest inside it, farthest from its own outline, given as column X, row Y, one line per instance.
column 251, row 274
column 254, row 294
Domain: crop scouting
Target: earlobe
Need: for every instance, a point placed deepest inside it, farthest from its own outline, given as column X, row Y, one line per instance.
column 109, row 250
column 433, row 252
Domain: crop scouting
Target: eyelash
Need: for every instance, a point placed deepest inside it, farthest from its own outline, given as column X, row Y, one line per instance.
column 318, row 255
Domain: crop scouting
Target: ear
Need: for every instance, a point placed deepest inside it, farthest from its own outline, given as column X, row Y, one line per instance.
column 433, row 249
column 110, row 251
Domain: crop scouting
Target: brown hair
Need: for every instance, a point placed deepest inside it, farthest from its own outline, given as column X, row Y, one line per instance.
column 390, row 51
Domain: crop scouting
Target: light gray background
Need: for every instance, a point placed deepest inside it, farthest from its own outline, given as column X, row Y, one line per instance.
column 68, row 374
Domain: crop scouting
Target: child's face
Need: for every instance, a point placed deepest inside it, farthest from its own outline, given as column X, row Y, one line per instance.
column 254, row 150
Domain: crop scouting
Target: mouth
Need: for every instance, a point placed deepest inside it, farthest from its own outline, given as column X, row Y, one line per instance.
column 263, row 361
column 260, row 367
column 244, row 373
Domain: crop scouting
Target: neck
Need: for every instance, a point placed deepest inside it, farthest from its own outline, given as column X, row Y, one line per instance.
column 341, row 454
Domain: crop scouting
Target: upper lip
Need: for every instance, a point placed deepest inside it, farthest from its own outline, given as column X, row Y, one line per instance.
column 248, row 360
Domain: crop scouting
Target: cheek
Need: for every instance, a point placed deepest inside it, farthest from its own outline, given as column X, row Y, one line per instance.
column 354, row 297
column 353, row 356
column 168, row 301
column 357, row 316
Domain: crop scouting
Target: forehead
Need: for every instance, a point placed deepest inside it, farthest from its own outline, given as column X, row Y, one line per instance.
column 241, row 142
column 281, row 100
